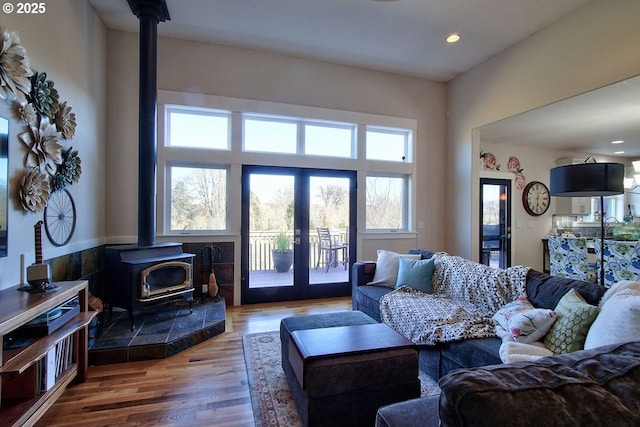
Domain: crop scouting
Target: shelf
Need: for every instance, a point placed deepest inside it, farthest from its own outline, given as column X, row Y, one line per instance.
column 39, row 348
column 19, row 412
column 19, row 307
column 69, row 341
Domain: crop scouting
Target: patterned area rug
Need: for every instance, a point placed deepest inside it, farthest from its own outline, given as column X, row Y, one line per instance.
column 273, row 405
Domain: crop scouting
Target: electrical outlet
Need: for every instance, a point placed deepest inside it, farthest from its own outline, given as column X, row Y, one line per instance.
column 205, row 288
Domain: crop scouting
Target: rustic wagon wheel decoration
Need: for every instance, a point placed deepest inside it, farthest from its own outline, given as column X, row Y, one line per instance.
column 60, row 217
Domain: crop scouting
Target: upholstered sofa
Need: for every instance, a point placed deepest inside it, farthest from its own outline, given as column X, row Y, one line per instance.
column 440, row 358
column 593, row 387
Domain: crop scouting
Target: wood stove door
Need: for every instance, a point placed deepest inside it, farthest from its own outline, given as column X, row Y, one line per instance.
column 284, row 256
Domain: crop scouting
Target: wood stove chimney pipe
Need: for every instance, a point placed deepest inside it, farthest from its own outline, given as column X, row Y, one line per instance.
column 149, row 12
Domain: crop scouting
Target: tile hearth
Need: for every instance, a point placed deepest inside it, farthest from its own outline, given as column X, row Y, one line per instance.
column 161, row 331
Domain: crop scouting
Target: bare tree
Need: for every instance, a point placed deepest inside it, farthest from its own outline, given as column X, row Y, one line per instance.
column 384, row 204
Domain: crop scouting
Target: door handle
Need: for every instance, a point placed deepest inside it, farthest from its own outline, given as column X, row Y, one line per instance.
column 296, row 241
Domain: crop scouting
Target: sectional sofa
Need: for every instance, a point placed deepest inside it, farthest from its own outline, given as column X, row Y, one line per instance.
column 440, row 358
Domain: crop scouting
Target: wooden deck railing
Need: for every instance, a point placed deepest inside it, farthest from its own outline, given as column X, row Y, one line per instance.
column 262, row 242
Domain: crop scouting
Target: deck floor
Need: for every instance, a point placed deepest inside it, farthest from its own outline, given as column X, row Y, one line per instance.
column 271, row 278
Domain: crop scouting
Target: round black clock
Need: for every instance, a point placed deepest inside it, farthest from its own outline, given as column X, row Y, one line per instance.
column 536, row 198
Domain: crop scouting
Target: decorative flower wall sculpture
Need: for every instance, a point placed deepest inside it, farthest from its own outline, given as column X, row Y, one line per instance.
column 69, row 170
column 34, row 190
column 48, row 123
column 25, row 112
column 45, row 152
column 65, row 121
column 14, row 67
column 43, row 95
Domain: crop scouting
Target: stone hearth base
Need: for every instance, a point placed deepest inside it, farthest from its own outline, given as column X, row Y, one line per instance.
column 164, row 330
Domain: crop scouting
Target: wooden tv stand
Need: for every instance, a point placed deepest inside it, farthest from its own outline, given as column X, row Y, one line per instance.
column 24, row 364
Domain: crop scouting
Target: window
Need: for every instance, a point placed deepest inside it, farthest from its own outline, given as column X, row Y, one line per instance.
column 202, row 148
column 197, row 128
column 198, row 198
column 613, row 208
column 329, row 140
column 270, row 135
column 386, row 206
column 388, row 144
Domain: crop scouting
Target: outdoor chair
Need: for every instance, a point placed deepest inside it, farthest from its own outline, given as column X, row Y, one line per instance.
column 328, row 249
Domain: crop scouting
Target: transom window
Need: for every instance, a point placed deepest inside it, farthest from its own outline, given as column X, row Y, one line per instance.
column 270, row 135
column 329, row 140
column 392, row 145
column 198, row 128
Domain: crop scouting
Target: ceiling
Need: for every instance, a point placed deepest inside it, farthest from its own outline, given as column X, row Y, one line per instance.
column 408, row 37
column 403, row 36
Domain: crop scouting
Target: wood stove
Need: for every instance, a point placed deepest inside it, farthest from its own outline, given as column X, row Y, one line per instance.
column 138, row 275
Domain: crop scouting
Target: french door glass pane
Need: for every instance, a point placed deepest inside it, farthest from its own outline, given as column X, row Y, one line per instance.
column 328, row 230
column 270, row 222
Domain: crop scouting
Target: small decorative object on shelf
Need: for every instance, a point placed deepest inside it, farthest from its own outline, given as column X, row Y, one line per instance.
column 38, row 274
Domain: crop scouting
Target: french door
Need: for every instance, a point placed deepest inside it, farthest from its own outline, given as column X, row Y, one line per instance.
column 298, row 233
column 495, row 222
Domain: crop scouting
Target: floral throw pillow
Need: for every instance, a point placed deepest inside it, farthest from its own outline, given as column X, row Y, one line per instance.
column 520, row 321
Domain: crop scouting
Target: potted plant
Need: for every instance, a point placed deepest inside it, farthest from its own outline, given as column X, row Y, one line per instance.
column 282, row 254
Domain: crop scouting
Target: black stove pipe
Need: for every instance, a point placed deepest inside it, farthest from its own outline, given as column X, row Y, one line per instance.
column 150, row 13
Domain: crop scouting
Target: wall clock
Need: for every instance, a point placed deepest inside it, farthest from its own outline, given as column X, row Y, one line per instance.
column 60, row 217
column 536, row 198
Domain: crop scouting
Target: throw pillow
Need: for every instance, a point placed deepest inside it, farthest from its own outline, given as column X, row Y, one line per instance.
column 618, row 321
column 618, row 287
column 416, row 273
column 386, row 273
column 575, row 317
column 520, row 304
column 519, row 321
column 529, row 326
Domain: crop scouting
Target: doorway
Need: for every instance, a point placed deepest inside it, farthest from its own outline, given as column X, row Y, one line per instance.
column 495, row 222
column 298, row 233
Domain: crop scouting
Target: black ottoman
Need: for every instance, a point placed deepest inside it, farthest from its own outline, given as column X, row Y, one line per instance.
column 346, row 389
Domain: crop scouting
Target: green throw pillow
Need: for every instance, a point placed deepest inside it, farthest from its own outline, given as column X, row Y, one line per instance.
column 416, row 273
column 575, row 317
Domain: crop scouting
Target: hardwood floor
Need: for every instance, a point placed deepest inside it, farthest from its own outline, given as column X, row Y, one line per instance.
column 203, row 386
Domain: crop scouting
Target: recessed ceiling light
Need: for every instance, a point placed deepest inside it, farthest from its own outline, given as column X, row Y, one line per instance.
column 617, row 142
column 453, row 38
column 618, row 152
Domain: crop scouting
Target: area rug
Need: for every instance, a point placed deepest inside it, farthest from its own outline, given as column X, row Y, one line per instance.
column 272, row 403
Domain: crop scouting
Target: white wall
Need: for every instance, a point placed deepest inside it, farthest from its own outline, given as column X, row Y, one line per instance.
column 68, row 42
column 208, row 69
column 593, row 47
